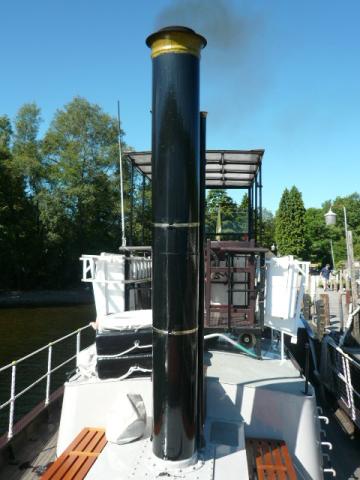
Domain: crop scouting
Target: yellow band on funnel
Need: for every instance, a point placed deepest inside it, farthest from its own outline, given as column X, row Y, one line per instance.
column 173, row 41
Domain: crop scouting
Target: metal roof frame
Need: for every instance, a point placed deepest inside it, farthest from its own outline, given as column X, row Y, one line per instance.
column 228, row 169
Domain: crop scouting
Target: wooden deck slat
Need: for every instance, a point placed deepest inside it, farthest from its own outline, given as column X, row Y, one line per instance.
column 75, row 462
column 84, row 468
column 278, row 460
column 267, row 460
column 259, row 460
column 289, row 464
column 82, row 446
column 99, row 447
column 96, row 440
column 251, row 458
column 75, row 468
column 59, row 470
column 270, row 459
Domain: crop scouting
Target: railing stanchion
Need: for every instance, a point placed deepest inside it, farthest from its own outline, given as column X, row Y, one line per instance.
column 12, row 400
column 47, row 398
column 78, row 340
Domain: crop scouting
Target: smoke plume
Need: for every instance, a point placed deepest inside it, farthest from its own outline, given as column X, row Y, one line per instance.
column 233, row 61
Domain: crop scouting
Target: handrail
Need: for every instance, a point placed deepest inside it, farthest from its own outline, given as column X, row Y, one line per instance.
column 14, row 396
column 43, row 348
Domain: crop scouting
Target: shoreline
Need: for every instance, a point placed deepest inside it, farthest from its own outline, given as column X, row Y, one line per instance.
column 45, row 298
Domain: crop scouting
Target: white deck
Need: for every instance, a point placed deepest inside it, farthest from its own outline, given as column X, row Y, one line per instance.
column 253, row 398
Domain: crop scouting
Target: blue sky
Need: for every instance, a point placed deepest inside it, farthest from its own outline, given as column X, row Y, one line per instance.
column 277, row 74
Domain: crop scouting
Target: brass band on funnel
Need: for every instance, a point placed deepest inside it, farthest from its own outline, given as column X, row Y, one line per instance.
column 175, row 40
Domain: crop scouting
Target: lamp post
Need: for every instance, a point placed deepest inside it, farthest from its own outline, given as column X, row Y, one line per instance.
column 330, row 219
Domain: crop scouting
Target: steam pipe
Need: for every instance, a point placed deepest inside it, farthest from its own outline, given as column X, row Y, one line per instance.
column 201, row 392
column 175, row 209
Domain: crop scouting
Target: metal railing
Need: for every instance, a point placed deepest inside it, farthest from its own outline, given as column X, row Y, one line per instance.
column 347, row 381
column 50, row 370
column 139, row 268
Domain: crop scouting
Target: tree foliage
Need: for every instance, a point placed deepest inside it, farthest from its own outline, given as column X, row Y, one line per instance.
column 268, row 233
column 60, row 197
column 319, row 239
column 15, row 213
column 290, row 224
column 233, row 216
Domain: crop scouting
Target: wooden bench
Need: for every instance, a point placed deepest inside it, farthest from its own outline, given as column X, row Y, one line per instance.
column 75, row 462
column 269, row 460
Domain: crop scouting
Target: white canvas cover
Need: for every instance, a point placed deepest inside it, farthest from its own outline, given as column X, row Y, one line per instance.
column 129, row 320
column 285, row 280
column 109, row 284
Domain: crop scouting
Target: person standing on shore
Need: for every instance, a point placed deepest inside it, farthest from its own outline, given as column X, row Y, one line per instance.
column 325, row 275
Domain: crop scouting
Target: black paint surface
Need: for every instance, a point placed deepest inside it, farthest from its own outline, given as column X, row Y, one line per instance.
column 175, row 200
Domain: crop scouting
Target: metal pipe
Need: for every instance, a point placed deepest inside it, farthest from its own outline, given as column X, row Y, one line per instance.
column 332, row 254
column 201, row 393
column 143, row 210
column 48, row 377
column 123, row 236
column 78, row 346
column 261, row 208
column 249, row 232
column 12, row 400
column 256, row 208
column 132, row 204
column 176, row 221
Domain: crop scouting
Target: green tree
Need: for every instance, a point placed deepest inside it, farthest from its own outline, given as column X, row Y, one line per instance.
column 142, row 226
column 268, row 221
column 79, row 202
column 352, row 205
column 317, row 237
column 218, row 199
column 290, row 224
column 14, row 214
column 27, row 147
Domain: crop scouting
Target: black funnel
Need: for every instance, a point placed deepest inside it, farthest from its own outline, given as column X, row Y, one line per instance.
column 175, row 204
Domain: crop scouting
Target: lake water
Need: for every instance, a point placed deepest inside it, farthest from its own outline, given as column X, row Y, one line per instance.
column 24, row 330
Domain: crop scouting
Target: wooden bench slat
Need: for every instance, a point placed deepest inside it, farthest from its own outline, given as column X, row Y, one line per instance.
column 269, row 459
column 83, row 454
column 75, row 468
column 100, row 446
column 98, row 442
column 259, row 460
column 76, row 461
column 85, row 441
column 278, row 460
column 288, row 461
column 59, row 470
column 84, row 468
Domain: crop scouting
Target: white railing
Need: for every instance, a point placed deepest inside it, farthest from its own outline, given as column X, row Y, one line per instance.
column 115, row 278
column 139, row 268
column 346, row 369
column 50, row 370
